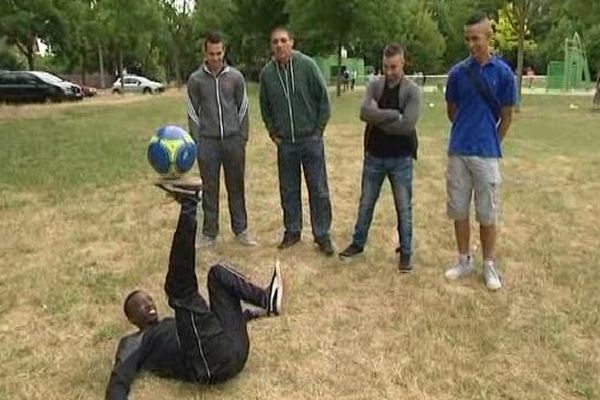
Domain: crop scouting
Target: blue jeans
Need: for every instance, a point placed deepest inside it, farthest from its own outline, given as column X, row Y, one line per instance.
column 399, row 170
column 308, row 153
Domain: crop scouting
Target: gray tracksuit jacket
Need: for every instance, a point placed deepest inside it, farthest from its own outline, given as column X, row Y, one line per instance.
column 392, row 121
column 217, row 105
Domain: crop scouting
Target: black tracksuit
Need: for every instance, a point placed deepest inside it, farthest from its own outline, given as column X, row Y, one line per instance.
column 201, row 344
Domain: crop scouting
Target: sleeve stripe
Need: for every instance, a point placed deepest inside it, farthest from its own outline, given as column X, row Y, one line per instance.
column 192, row 113
column 243, row 107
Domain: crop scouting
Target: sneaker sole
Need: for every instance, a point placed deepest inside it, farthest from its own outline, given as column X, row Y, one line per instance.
column 455, row 278
column 247, row 244
column 348, row 259
column 288, row 245
column 184, row 186
column 277, row 294
column 178, row 191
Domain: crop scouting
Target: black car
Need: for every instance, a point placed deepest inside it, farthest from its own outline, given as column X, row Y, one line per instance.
column 32, row 86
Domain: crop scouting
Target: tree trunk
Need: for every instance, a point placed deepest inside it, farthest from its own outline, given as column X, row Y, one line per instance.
column 30, row 60
column 101, row 64
column 176, row 66
column 83, row 67
column 121, row 69
column 520, row 51
column 338, row 78
column 27, row 51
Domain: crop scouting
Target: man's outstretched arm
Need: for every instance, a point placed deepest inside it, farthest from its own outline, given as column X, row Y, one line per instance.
column 124, row 372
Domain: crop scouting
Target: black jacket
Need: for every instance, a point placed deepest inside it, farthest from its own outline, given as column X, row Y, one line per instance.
column 157, row 349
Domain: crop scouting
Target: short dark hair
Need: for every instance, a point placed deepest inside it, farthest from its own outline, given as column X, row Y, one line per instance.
column 282, row 28
column 129, row 296
column 393, row 49
column 476, row 17
column 213, row 37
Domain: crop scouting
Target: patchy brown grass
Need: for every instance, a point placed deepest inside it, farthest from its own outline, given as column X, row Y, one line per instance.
column 356, row 331
column 103, row 98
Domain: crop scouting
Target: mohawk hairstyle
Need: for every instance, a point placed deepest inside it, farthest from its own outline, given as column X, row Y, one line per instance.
column 475, row 18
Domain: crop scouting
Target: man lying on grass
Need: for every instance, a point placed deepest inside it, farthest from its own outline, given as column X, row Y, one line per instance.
column 204, row 343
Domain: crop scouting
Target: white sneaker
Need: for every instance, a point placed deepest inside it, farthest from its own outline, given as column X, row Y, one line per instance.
column 246, row 239
column 459, row 270
column 275, row 292
column 491, row 276
column 204, row 241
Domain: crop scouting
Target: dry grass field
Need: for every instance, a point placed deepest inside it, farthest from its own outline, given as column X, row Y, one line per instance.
column 80, row 226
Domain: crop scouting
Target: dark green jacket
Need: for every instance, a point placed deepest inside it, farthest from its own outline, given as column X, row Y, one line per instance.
column 293, row 98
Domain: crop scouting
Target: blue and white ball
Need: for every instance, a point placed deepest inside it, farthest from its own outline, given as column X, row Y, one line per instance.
column 171, row 151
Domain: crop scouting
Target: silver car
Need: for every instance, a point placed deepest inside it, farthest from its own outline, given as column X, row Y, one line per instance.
column 137, row 84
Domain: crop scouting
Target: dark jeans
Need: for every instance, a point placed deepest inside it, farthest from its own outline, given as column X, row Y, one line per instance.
column 230, row 153
column 213, row 340
column 399, row 171
column 308, row 153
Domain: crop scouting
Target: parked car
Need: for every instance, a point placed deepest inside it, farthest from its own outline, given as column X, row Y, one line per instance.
column 32, row 86
column 137, row 84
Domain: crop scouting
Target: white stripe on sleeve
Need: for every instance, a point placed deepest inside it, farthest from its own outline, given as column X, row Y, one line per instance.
column 192, row 113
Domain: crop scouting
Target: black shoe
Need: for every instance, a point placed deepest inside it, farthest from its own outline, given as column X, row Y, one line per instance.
column 275, row 292
column 404, row 262
column 325, row 246
column 350, row 252
column 289, row 239
column 186, row 187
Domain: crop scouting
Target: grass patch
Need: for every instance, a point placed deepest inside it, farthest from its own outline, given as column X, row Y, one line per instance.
column 81, row 227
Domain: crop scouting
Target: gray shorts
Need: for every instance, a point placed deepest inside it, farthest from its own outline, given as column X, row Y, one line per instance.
column 480, row 176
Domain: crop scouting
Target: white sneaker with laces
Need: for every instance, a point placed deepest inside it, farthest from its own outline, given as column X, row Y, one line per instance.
column 459, row 270
column 246, row 239
column 491, row 276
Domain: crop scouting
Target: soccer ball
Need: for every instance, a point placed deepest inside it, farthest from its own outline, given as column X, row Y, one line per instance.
column 171, row 151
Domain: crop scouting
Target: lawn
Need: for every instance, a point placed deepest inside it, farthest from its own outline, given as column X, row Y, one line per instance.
column 81, row 226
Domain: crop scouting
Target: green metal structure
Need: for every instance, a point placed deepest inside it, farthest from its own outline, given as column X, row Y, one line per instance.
column 573, row 72
column 329, row 67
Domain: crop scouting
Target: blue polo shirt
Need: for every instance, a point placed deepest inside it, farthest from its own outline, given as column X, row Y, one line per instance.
column 475, row 126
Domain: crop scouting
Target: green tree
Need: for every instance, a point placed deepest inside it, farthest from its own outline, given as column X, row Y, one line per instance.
column 518, row 13
column 410, row 23
column 24, row 22
column 77, row 50
column 131, row 31
column 340, row 23
column 553, row 21
column 248, row 29
column 451, row 17
column 9, row 59
column 179, row 39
